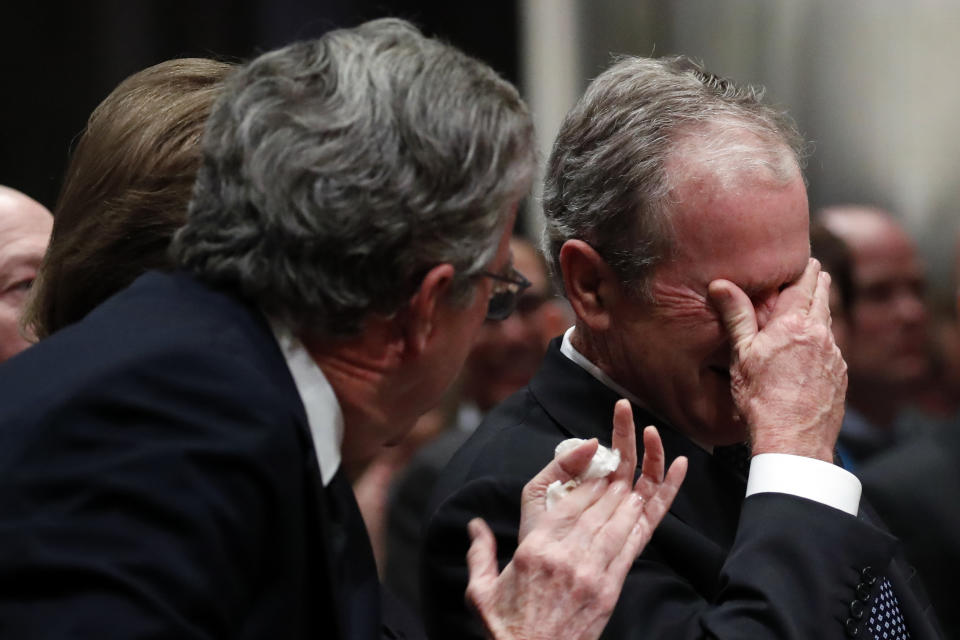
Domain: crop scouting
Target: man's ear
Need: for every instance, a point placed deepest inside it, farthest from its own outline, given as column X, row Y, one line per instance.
column 591, row 285
column 422, row 313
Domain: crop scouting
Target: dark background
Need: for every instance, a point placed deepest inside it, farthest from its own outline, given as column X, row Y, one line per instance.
column 59, row 60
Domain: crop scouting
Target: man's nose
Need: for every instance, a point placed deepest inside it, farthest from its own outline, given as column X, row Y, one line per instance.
column 910, row 307
column 513, row 328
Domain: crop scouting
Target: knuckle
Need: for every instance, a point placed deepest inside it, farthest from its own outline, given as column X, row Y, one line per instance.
column 821, row 333
column 536, row 539
column 528, row 493
column 475, row 595
column 525, row 558
column 606, row 600
column 586, row 582
column 472, row 593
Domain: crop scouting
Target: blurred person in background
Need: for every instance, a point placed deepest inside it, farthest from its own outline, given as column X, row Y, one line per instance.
column 507, row 354
column 834, row 257
column 172, row 460
column 24, row 232
column 503, row 359
column 126, row 189
column 886, row 346
column 916, row 489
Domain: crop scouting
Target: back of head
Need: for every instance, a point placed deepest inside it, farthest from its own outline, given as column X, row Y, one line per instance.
column 853, row 223
column 607, row 181
column 126, row 189
column 338, row 171
column 834, row 257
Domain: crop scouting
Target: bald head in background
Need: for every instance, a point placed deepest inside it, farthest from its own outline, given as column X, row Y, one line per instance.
column 886, row 346
column 25, row 226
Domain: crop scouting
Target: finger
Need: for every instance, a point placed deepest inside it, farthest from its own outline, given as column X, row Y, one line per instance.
column 659, row 503
column 653, row 456
column 736, row 311
column 820, row 307
column 636, row 521
column 568, row 466
column 589, row 525
column 568, row 512
column 653, row 511
column 624, row 441
column 799, row 294
column 606, row 526
column 481, row 561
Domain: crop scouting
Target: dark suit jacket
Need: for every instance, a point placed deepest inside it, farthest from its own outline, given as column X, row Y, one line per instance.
column 770, row 566
column 158, row 480
column 407, row 511
column 916, row 490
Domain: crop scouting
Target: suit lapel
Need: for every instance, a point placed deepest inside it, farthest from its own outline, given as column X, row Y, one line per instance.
column 349, row 605
column 351, row 573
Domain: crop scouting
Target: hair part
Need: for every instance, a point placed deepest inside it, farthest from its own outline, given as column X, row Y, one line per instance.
column 607, row 180
column 338, row 171
column 126, row 189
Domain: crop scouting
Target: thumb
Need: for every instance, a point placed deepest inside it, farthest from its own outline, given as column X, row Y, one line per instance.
column 569, row 465
column 736, row 311
column 481, row 561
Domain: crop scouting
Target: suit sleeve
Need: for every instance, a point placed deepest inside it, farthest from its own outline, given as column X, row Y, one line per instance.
column 120, row 509
column 790, row 574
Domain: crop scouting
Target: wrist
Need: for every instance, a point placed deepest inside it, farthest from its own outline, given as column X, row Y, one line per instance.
column 815, row 450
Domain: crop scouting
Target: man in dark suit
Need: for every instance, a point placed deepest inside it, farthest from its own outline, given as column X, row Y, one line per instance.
column 916, row 489
column 173, row 466
column 677, row 218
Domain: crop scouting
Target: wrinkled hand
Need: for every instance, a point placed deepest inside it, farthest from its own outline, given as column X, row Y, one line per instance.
column 567, row 572
column 788, row 379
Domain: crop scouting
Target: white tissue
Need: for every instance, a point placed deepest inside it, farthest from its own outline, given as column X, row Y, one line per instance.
column 604, row 462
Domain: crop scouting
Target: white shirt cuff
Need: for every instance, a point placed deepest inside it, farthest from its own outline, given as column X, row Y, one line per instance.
column 806, row 478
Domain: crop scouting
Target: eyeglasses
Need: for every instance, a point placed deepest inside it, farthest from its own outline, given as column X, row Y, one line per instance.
column 507, row 286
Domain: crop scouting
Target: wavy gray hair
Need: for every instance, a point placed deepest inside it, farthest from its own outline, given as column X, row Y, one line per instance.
column 338, row 171
column 606, row 181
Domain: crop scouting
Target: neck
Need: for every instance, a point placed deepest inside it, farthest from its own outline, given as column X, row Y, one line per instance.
column 600, row 350
column 361, row 374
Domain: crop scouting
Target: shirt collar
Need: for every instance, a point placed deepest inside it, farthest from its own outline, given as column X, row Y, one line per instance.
column 324, row 415
column 567, row 349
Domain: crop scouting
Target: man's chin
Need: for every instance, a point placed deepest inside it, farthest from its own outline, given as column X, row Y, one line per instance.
column 714, row 426
column 726, row 427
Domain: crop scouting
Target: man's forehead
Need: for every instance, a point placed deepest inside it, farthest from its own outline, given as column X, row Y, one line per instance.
column 22, row 216
column 708, row 212
column 754, row 233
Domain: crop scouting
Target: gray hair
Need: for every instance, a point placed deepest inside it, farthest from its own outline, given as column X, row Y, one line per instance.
column 338, row 171
column 606, row 181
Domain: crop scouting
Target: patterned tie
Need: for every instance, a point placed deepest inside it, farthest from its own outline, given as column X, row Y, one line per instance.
column 885, row 621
